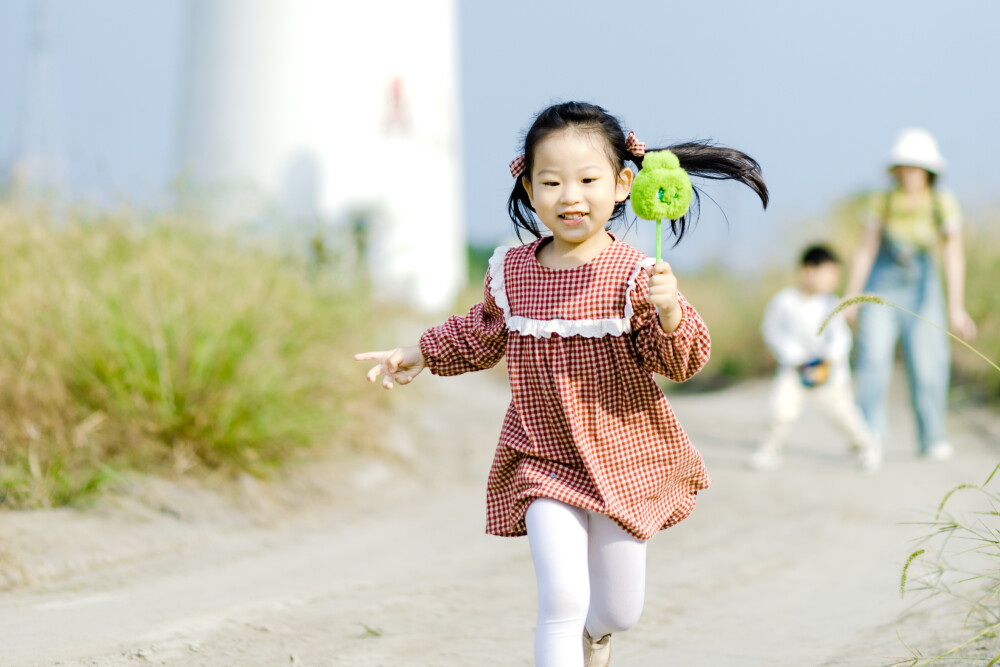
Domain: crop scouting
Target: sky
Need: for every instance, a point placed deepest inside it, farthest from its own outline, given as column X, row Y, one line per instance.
column 815, row 91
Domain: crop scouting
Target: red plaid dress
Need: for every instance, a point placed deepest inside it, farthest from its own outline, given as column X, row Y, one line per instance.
column 587, row 425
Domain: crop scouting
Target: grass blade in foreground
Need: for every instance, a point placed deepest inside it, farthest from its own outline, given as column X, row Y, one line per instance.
column 875, row 299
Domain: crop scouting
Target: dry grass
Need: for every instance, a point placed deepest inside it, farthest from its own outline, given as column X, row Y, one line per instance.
column 157, row 345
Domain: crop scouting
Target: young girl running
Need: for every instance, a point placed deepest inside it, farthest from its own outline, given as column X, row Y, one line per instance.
column 591, row 461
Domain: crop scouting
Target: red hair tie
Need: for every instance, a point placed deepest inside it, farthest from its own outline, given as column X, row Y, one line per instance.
column 634, row 146
column 517, row 166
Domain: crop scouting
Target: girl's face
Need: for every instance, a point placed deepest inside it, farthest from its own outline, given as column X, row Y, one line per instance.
column 573, row 186
column 912, row 179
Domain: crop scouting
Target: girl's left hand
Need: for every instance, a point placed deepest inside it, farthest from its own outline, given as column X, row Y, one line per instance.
column 663, row 293
column 398, row 366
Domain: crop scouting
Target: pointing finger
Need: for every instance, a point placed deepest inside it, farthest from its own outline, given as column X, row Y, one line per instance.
column 370, row 356
column 374, row 372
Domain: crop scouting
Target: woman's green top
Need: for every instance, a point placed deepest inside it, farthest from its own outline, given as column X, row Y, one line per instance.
column 920, row 222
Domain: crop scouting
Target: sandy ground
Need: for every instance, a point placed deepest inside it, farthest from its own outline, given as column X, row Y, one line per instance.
column 381, row 563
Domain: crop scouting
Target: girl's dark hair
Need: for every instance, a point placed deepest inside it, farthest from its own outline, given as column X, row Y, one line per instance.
column 698, row 158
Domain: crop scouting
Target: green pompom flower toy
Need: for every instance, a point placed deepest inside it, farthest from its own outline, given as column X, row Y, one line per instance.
column 661, row 190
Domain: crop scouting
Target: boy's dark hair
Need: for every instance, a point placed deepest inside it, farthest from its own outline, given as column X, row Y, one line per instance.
column 698, row 158
column 818, row 254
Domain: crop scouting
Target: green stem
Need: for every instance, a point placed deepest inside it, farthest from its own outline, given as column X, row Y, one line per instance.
column 956, row 338
column 658, row 242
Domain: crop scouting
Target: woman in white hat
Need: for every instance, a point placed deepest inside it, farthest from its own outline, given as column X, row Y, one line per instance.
column 896, row 260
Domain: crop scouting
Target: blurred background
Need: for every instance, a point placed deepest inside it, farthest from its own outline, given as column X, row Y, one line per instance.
column 206, row 204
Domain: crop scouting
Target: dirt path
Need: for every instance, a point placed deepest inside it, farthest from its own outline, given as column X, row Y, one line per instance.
column 797, row 567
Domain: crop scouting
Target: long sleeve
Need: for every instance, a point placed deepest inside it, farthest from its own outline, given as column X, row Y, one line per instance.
column 791, row 325
column 781, row 335
column 473, row 342
column 677, row 355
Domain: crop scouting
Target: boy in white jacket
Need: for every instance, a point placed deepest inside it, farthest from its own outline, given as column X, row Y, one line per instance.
column 810, row 366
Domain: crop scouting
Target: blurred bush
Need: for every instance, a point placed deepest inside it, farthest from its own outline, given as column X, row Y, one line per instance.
column 161, row 345
column 982, row 296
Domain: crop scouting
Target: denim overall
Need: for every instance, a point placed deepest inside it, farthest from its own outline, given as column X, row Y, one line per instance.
column 907, row 276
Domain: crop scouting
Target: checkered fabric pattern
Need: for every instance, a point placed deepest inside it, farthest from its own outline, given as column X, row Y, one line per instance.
column 517, row 166
column 634, row 146
column 587, row 425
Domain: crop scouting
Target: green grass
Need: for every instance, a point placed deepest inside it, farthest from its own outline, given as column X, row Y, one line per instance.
column 156, row 345
column 959, row 558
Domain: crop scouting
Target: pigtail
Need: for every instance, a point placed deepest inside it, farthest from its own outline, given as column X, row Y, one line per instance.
column 700, row 158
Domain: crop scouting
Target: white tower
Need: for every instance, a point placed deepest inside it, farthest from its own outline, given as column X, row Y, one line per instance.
column 323, row 108
column 38, row 159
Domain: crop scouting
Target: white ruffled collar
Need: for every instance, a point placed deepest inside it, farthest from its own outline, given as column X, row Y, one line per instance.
column 587, row 328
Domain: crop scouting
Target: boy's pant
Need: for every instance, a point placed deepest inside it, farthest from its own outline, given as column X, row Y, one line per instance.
column 835, row 398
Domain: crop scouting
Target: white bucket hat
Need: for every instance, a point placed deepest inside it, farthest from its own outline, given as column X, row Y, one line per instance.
column 916, row 147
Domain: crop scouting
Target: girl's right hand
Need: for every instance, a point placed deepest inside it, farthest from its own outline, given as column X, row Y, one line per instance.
column 400, row 365
column 663, row 294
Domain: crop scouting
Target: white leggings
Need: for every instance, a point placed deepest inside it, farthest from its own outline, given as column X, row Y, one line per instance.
column 590, row 573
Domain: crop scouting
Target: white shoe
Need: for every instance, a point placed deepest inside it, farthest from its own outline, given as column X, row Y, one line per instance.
column 764, row 458
column 940, row 451
column 596, row 653
column 870, row 460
